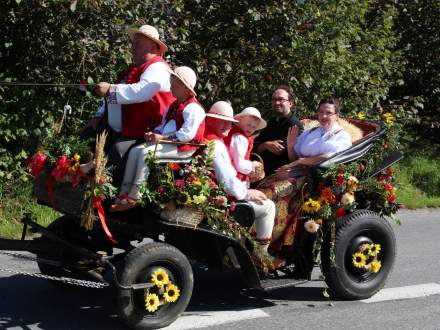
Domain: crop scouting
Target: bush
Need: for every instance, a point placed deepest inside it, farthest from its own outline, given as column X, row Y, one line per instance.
column 240, row 49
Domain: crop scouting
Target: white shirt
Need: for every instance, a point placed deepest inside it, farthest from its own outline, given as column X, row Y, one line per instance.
column 238, row 148
column 154, row 79
column 226, row 173
column 318, row 141
column 193, row 115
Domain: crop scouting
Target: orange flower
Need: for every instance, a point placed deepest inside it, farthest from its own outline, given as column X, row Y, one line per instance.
column 173, row 166
column 328, row 196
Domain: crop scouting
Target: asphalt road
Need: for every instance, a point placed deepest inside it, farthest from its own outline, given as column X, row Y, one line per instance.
column 218, row 303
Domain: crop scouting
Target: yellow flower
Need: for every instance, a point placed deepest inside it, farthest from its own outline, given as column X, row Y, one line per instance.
column 160, row 277
column 359, row 259
column 389, row 118
column 362, row 115
column 311, row 206
column 197, row 183
column 172, row 293
column 151, row 302
column 352, row 182
column 311, row 226
column 376, row 265
column 200, row 199
column 374, row 250
column 347, row 199
column 76, row 157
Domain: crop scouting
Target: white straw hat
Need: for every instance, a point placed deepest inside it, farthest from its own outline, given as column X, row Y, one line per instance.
column 187, row 76
column 151, row 33
column 222, row 110
column 251, row 111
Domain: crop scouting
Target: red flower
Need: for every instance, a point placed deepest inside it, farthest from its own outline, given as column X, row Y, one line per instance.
column 61, row 168
column 179, row 184
column 162, row 190
column 340, row 180
column 37, row 164
column 391, row 198
column 340, row 212
column 390, row 171
column 362, row 167
column 388, row 187
column 28, row 161
column 212, row 184
column 173, row 166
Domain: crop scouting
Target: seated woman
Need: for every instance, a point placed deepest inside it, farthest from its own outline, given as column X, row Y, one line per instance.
column 310, row 148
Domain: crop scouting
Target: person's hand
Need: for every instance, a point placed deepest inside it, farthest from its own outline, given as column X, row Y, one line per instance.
column 289, row 166
column 276, row 147
column 102, row 88
column 256, row 196
column 93, row 122
column 153, row 137
column 292, row 136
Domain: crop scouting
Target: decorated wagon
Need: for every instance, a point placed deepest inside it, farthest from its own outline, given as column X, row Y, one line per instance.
column 186, row 217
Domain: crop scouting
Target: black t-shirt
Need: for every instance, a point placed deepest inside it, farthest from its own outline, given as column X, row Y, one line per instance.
column 276, row 129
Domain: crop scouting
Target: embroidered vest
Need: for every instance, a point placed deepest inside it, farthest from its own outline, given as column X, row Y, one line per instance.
column 234, row 131
column 175, row 112
column 138, row 118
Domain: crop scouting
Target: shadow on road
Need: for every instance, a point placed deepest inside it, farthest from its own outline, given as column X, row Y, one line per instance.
column 26, row 301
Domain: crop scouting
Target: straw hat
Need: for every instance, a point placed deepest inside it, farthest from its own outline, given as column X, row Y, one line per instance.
column 187, row 76
column 222, row 110
column 251, row 111
column 151, row 33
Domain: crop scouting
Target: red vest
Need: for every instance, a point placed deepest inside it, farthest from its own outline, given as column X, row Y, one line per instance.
column 176, row 112
column 234, row 131
column 138, row 118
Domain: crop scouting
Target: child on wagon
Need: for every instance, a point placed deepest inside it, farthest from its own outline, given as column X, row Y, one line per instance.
column 240, row 141
column 183, row 121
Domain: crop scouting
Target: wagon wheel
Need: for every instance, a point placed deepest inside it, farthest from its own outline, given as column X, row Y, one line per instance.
column 140, row 309
column 65, row 227
column 358, row 229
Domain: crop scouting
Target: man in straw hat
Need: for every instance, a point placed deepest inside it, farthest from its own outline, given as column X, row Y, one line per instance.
column 138, row 100
column 183, row 121
column 218, row 124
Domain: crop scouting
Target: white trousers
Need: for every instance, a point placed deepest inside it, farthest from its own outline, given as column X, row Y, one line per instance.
column 264, row 219
column 137, row 171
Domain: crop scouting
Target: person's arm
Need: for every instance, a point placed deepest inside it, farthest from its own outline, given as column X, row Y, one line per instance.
column 226, row 174
column 292, row 137
column 152, row 80
column 193, row 116
column 238, row 149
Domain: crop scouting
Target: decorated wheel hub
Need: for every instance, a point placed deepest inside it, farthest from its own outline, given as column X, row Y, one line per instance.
column 366, row 257
column 164, row 292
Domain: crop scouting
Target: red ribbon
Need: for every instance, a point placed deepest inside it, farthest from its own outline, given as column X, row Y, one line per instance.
column 98, row 206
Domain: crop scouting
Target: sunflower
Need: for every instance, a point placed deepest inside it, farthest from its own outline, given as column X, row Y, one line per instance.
column 183, row 198
column 160, row 277
column 172, row 293
column 389, row 118
column 359, row 259
column 376, row 265
column 311, row 206
column 151, row 302
column 374, row 250
column 361, row 115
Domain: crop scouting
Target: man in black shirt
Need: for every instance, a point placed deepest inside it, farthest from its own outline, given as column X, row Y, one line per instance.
column 272, row 142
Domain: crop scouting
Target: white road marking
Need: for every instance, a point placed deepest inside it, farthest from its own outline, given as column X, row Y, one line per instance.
column 405, row 292
column 205, row 319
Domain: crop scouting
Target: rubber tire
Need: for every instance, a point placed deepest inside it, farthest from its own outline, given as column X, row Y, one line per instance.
column 137, row 261
column 341, row 277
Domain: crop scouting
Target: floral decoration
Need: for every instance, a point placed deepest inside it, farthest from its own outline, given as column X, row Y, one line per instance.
column 162, row 292
column 192, row 185
column 367, row 258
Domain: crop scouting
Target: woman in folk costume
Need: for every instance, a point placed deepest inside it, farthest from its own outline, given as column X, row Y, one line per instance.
column 241, row 140
column 284, row 187
column 183, row 121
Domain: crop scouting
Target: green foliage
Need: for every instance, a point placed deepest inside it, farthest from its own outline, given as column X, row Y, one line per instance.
column 240, row 49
